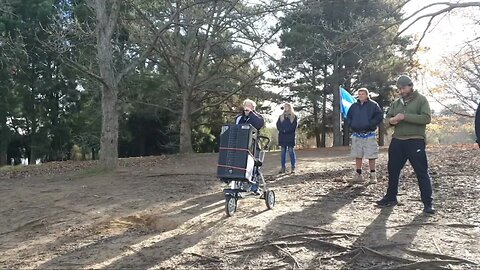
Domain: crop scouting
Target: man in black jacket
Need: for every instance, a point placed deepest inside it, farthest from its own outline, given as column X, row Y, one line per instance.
column 363, row 118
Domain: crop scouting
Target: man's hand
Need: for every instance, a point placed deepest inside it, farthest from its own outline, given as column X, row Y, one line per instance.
column 397, row 119
column 400, row 117
column 393, row 121
column 247, row 110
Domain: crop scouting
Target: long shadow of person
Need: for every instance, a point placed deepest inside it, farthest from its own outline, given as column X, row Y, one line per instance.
column 322, row 206
column 376, row 248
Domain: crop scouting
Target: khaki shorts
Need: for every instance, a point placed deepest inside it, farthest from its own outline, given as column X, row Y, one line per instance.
column 364, row 148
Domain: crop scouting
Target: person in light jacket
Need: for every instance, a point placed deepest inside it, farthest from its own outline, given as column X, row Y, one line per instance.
column 287, row 126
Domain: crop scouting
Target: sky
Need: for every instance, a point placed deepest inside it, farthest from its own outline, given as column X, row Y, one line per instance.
column 446, row 36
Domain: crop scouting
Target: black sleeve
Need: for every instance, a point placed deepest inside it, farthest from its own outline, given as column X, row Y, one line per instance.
column 256, row 120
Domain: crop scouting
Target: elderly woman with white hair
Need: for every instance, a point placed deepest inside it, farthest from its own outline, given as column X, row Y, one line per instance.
column 249, row 115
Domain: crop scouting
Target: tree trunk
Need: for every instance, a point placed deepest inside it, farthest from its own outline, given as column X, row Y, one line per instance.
column 32, row 160
column 337, row 133
column 106, row 24
column 186, row 124
column 3, row 156
column 109, row 138
column 3, row 148
column 346, row 134
column 4, row 137
column 324, row 107
column 381, row 134
column 324, row 121
column 317, row 122
column 335, row 82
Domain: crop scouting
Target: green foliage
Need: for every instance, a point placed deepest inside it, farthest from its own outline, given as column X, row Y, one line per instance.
column 451, row 129
column 331, row 43
column 48, row 108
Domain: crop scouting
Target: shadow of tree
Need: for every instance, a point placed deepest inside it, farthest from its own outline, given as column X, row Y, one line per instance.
column 144, row 236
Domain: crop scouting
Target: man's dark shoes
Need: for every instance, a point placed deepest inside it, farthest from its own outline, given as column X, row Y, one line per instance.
column 429, row 210
column 386, row 202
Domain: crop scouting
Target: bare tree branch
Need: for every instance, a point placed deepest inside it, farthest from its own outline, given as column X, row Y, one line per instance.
column 450, row 7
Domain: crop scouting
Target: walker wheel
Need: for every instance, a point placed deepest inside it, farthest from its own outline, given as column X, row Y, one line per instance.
column 230, row 205
column 269, row 198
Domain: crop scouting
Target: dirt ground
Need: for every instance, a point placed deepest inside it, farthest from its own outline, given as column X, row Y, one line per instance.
column 168, row 212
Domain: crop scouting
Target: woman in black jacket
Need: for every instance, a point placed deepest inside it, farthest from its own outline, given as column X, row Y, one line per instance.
column 287, row 125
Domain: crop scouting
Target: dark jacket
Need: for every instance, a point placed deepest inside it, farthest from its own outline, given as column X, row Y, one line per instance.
column 364, row 117
column 477, row 124
column 253, row 118
column 286, row 131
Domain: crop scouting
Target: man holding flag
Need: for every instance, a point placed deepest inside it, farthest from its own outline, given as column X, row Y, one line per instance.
column 363, row 118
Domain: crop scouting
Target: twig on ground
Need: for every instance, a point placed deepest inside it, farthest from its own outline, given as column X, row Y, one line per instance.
column 245, row 260
column 436, row 246
column 440, row 256
column 295, row 261
column 307, row 227
column 453, row 225
column 326, row 231
column 433, row 264
column 391, row 257
column 396, row 245
column 359, row 252
column 439, row 250
column 212, row 259
column 268, row 244
column 341, row 254
column 326, row 243
column 281, row 266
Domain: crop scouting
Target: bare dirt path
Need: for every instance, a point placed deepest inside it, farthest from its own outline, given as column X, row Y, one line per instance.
column 168, row 212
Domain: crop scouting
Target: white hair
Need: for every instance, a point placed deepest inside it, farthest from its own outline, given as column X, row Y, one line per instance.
column 247, row 101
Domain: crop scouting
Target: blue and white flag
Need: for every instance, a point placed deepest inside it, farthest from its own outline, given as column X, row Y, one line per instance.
column 346, row 100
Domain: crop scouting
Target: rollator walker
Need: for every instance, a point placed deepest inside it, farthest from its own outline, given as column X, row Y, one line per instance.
column 241, row 156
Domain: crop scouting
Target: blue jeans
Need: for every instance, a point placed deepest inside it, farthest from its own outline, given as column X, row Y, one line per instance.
column 398, row 153
column 291, row 152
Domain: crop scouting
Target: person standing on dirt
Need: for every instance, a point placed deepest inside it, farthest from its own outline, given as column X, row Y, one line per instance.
column 287, row 124
column 409, row 115
column 477, row 125
column 363, row 118
column 249, row 115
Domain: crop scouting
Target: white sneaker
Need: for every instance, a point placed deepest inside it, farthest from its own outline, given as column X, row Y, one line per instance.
column 357, row 178
column 373, row 177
